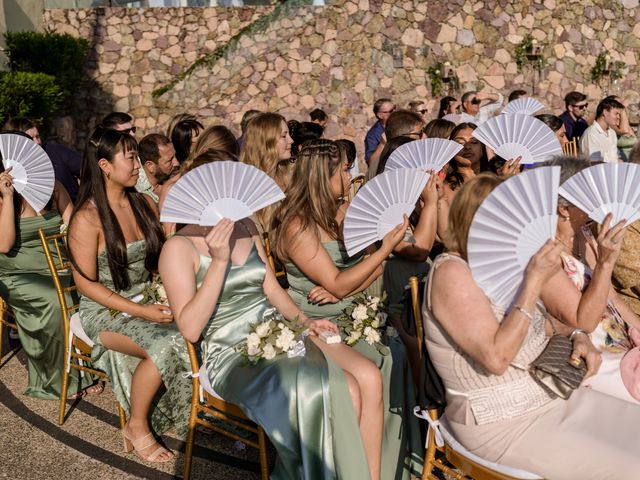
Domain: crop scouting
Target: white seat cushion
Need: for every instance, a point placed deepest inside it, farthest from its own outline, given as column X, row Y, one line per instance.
column 205, row 384
column 455, row 445
column 76, row 329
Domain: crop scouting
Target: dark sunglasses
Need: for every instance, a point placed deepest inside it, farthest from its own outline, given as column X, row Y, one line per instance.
column 581, row 107
column 128, row 131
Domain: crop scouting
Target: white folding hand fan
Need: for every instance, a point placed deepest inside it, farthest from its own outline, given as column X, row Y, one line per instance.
column 32, row 171
column 523, row 106
column 379, row 206
column 510, row 226
column 512, row 136
column 218, row 190
column 427, row 154
column 606, row 188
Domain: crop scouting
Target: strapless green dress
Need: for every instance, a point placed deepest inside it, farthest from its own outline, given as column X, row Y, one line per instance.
column 402, row 445
column 163, row 342
column 302, row 403
column 27, row 286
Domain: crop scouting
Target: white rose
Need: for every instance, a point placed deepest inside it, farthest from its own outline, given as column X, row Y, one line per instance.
column 253, row 340
column 285, row 339
column 371, row 335
column 357, row 324
column 162, row 293
column 354, row 336
column 360, row 312
column 268, row 352
column 373, row 303
column 263, row 330
column 253, row 350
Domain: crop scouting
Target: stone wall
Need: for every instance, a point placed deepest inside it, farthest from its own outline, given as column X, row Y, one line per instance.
column 339, row 58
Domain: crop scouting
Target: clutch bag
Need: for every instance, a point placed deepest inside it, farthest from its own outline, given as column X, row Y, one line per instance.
column 554, row 371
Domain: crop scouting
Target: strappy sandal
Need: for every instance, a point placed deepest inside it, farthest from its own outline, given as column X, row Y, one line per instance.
column 95, row 389
column 143, row 443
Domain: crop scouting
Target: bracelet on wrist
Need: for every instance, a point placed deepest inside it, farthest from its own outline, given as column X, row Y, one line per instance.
column 576, row 332
column 524, row 312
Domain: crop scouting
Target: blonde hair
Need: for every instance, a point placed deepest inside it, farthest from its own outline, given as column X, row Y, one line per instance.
column 259, row 149
column 309, row 198
column 464, row 206
column 208, row 156
column 216, row 137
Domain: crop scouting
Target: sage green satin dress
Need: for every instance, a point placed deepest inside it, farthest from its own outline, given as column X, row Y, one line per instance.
column 402, row 445
column 302, row 403
column 27, row 286
column 162, row 342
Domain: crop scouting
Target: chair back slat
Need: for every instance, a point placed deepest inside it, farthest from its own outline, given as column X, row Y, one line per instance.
column 571, row 148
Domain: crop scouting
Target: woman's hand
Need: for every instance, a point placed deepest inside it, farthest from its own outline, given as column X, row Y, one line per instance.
column 6, row 183
column 217, row 239
column 609, row 241
column 545, row 263
column 395, row 236
column 429, row 194
column 510, row 167
column 584, row 349
column 321, row 296
column 155, row 312
column 316, row 327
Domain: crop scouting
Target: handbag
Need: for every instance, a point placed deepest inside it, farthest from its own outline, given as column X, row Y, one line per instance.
column 553, row 369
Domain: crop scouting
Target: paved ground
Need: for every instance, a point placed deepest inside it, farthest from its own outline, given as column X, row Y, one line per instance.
column 33, row 446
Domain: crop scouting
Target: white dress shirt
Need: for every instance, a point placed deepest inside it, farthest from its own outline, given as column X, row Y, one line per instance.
column 485, row 113
column 598, row 144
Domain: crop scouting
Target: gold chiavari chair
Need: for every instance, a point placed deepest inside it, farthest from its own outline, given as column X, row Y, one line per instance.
column 204, row 400
column 571, row 148
column 356, row 184
column 5, row 323
column 77, row 345
column 441, row 445
column 277, row 267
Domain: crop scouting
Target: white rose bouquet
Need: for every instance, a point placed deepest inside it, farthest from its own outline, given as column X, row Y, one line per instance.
column 273, row 337
column 363, row 319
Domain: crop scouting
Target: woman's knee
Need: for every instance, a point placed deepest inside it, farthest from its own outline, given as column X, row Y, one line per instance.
column 354, row 391
column 369, row 379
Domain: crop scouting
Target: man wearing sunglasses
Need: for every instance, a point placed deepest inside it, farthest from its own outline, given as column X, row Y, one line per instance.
column 478, row 107
column 574, row 115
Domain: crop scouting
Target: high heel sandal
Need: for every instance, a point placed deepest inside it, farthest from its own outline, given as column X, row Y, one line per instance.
column 143, row 443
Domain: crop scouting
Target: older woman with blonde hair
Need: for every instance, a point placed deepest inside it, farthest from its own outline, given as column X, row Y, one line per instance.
column 495, row 409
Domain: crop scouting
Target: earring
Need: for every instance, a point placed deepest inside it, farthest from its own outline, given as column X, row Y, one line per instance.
column 565, row 218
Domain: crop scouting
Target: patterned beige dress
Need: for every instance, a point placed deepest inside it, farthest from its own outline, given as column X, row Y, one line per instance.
column 511, row 420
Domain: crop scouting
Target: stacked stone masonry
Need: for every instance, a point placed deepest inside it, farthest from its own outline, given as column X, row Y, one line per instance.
column 339, row 58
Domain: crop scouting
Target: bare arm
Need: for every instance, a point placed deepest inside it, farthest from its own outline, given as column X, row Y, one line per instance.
column 62, row 202
column 84, row 240
column 467, row 316
column 7, row 214
column 307, row 252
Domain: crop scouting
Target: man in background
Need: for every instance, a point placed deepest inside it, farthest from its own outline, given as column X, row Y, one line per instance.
column 574, row 115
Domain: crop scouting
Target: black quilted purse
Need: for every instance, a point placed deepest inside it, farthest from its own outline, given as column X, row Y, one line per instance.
column 553, row 369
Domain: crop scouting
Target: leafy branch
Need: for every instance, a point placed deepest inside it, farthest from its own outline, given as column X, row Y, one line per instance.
column 522, row 52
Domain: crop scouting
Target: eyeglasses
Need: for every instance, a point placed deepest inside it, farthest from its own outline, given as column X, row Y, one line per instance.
column 581, row 107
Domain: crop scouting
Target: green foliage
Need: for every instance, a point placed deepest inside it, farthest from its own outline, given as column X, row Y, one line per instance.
column 435, row 75
column 26, row 94
column 525, row 47
column 614, row 70
column 61, row 56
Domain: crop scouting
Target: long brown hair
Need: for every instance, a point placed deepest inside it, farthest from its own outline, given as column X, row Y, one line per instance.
column 259, row 149
column 464, row 207
column 309, row 198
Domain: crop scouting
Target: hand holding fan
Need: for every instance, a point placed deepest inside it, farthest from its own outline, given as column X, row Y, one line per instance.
column 511, row 225
column 218, row 190
column 523, row 106
column 606, row 188
column 427, row 154
column 511, row 136
column 32, row 171
column 379, row 206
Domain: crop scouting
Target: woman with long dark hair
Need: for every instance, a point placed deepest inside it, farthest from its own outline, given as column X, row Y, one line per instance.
column 473, row 158
column 26, row 286
column 184, row 137
column 114, row 242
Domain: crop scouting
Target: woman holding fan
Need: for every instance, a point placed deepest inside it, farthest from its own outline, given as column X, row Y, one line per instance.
column 220, row 287
column 582, row 296
column 115, row 239
column 26, row 284
column 323, row 279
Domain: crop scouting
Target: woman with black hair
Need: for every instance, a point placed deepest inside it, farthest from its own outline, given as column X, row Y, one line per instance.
column 115, row 239
column 473, row 158
column 26, row 286
column 184, row 136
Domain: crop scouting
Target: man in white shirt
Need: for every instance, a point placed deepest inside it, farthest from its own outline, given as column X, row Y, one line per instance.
column 599, row 141
column 478, row 107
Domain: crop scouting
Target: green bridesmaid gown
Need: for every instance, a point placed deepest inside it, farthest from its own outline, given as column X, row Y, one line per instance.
column 162, row 342
column 27, row 286
column 402, row 445
column 302, row 403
